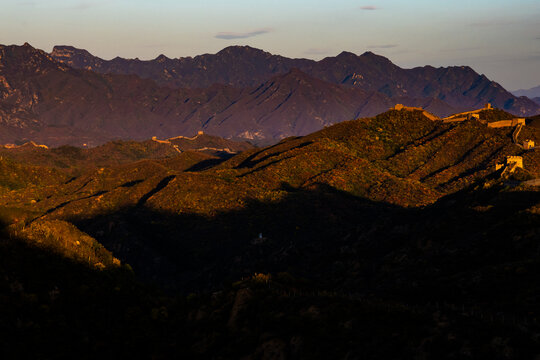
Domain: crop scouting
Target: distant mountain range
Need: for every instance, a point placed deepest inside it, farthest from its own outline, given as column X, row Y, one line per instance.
column 73, row 97
column 243, row 66
column 531, row 93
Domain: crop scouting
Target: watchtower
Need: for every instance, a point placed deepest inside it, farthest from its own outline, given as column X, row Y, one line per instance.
column 528, row 144
column 518, row 160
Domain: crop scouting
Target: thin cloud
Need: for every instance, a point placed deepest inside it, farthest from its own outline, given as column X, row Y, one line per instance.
column 156, row 45
column 81, row 5
column 238, row 35
column 384, row 46
column 402, row 51
column 493, row 22
column 84, row 5
column 315, row 51
column 471, row 48
column 368, row 7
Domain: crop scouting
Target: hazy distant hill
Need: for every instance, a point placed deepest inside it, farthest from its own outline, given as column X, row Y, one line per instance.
column 530, row 93
column 458, row 86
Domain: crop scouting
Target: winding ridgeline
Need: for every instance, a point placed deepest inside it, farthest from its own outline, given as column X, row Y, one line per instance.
column 70, row 97
column 394, row 236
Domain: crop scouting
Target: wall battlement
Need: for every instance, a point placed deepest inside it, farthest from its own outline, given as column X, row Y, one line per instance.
column 429, row 115
column 511, row 164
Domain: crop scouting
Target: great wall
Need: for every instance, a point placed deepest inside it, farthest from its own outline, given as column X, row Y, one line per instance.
column 511, row 163
column 467, row 115
column 26, row 144
column 199, row 133
column 175, row 147
column 519, row 123
column 429, row 115
column 168, row 141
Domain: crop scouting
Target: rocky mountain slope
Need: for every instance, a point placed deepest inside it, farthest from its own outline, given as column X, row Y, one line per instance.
column 459, row 86
column 240, row 66
column 52, row 104
column 399, row 159
column 46, row 101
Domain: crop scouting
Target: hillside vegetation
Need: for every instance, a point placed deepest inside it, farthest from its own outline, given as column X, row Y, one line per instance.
column 384, row 237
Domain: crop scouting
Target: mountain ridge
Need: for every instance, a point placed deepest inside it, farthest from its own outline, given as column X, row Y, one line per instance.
column 54, row 104
column 459, row 86
column 51, row 103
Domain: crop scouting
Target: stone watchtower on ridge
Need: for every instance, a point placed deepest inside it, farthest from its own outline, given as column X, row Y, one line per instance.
column 512, row 163
column 528, row 144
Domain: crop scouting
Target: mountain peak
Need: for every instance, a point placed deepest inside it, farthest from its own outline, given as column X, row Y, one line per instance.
column 367, row 56
column 65, row 47
column 242, row 50
column 27, row 56
column 374, row 57
column 161, row 58
column 346, row 54
column 67, row 51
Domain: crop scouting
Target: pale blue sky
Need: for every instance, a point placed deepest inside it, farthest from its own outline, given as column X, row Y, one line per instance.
column 498, row 38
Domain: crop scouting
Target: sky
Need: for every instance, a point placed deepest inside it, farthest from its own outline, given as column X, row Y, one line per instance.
column 498, row 38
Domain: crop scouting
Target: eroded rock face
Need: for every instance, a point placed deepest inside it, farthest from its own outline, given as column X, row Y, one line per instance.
column 76, row 58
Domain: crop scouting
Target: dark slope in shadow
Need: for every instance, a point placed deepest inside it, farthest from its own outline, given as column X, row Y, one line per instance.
column 160, row 186
column 194, row 253
column 53, row 307
column 347, row 276
column 464, row 249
